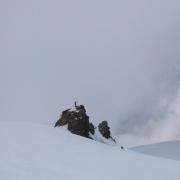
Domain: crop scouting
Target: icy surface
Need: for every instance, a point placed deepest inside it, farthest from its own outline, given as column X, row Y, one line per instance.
column 37, row 152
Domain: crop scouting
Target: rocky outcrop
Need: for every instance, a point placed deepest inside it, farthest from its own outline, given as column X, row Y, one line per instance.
column 104, row 129
column 77, row 122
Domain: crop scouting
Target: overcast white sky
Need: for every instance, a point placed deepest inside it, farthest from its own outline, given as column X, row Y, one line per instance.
column 118, row 58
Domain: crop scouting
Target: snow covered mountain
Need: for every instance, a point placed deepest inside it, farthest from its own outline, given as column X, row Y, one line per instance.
column 169, row 149
column 31, row 151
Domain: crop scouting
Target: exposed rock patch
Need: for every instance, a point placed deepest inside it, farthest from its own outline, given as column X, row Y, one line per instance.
column 91, row 128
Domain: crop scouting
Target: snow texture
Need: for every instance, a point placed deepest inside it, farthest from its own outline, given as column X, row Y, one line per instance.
column 31, row 151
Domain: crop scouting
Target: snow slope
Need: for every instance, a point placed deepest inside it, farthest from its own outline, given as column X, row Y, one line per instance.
column 38, row 152
column 169, row 149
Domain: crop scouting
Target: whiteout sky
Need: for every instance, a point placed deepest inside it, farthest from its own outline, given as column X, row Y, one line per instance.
column 121, row 59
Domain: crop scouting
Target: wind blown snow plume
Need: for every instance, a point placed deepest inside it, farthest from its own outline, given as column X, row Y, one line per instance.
column 161, row 123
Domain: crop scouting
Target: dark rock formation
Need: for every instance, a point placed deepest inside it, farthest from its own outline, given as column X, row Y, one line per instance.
column 104, row 129
column 77, row 121
column 91, row 128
